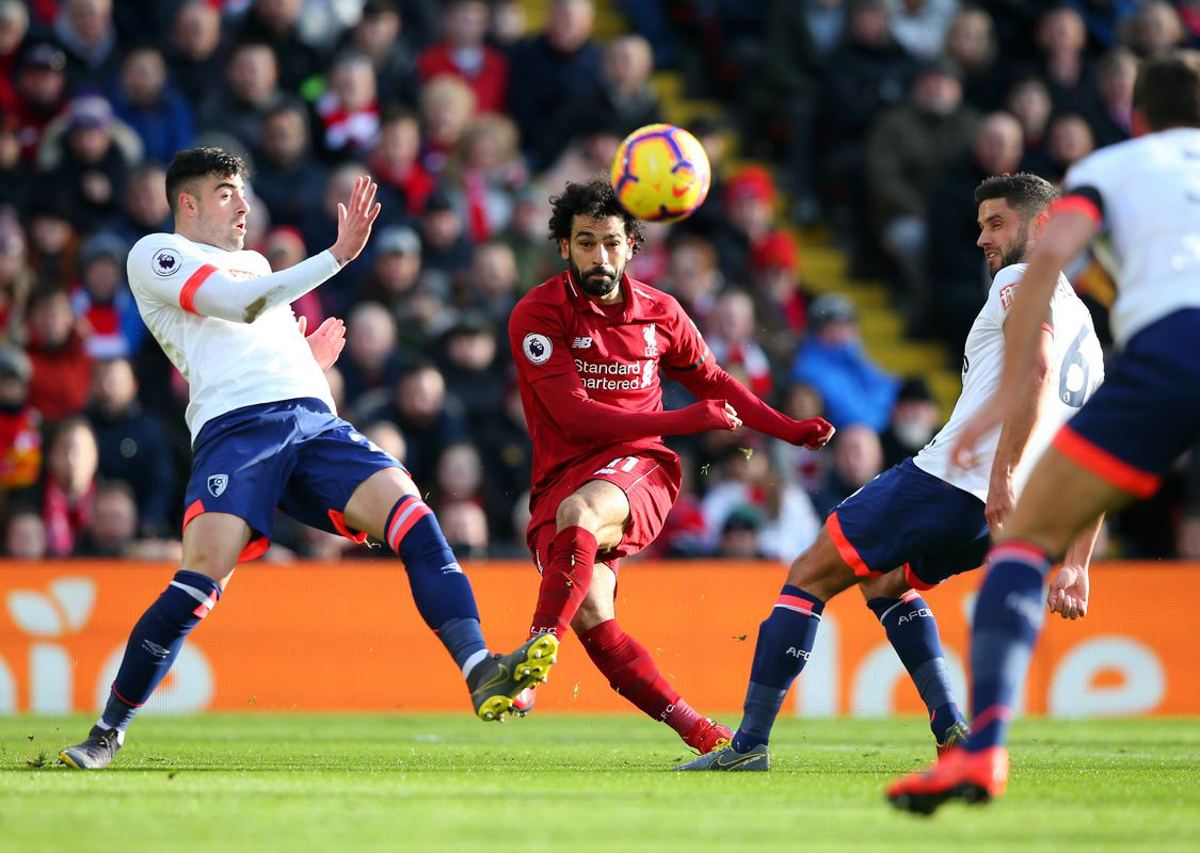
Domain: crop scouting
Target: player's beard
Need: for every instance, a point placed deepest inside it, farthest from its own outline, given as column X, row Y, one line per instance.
column 1015, row 253
column 599, row 287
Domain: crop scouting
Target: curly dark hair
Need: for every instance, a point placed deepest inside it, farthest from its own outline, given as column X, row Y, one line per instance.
column 1027, row 194
column 193, row 163
column 594, row 198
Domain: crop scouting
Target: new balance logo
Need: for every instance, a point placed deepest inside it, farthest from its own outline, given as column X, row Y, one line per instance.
column 923, row 613
column 581, row 343
column 798, row 653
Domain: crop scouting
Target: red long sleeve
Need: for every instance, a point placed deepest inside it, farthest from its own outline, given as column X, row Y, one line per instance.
column 710, row 381
column 588, row 420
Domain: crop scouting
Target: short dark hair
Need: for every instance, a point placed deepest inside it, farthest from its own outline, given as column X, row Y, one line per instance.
column 1167, row 91
column 192, row 164
column 594, row 198
column 1027, row 194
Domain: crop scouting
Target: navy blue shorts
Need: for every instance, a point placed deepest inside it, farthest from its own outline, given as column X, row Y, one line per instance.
column 1147, row 411
column 294, row 454
column 908, row 518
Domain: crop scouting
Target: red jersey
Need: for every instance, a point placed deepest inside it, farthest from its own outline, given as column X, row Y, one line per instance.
column 618, row 352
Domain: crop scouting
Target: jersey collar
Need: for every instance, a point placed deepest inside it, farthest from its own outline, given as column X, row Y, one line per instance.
column 632, row 308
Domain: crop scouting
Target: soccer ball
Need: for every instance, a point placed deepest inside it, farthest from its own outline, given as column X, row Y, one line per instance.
column 661, row 173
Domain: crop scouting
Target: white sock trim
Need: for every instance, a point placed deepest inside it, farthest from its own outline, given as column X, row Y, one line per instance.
column 473, row 661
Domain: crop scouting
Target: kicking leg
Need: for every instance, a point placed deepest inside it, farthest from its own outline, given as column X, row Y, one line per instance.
column 785, row 642
column 631, row 670
column 388, row 506
column 212, row 543
column 913, row 632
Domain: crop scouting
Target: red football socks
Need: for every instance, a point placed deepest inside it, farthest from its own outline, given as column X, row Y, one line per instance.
column 632, row 673
column 565, row 581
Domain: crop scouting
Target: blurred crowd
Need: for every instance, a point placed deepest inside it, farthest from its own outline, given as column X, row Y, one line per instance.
column 875, row 118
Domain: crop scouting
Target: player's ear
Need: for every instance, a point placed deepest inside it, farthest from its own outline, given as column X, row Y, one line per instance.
column 563, row 251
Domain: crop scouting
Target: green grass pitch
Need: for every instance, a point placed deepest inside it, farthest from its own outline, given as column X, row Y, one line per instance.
column 344, row 784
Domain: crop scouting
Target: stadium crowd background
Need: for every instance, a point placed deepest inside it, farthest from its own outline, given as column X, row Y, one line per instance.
column 872, row 119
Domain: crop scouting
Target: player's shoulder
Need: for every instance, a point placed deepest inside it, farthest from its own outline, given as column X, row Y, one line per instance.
column 1008, row 276
column 655, row 301
column 1109, row 162
column 158, row 255
column 548, row 299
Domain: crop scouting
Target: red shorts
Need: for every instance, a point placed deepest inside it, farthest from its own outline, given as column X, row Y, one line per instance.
column 650, row 480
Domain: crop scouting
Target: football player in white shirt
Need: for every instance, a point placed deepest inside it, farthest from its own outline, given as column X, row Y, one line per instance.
column 924, row 520
column 1137, row 202
column 264, row 435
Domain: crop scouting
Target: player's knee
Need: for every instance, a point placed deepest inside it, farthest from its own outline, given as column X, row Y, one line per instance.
column 576, row 511
column 820, row 573
column 891, row 585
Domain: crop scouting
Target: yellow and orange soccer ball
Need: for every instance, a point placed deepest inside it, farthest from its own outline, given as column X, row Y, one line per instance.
column 661, row 173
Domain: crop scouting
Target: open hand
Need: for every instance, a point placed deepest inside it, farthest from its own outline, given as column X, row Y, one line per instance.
column 355, row 219
column 326, row 342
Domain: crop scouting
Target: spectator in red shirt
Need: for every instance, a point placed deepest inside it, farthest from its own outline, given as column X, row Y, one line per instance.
column 62, row 370
column 731, row 337
column 114, row 328
column 14, row 24
column 69, row 488
column 394, row 159
column 778, row 300
column 349, row 108
column 20, row 435
column 485, row 174
column 463, row 53
column 41, row 93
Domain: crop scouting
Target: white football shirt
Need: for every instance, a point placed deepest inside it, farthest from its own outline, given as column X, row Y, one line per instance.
column 227, row 364
column 1149, row 191
column 1076, row 369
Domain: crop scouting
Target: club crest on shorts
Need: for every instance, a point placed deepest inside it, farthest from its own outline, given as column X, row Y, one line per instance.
column 537, row 348
column 217, row 484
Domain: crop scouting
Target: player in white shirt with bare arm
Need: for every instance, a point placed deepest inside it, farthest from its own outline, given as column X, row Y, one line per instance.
column 925, row 520
column 265, row 435
column 1138, row 204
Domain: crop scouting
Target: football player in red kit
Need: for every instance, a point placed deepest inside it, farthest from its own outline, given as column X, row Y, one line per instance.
column 590, row 347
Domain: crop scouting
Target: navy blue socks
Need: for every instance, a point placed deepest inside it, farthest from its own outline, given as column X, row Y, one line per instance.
column 785, row 641
column 913, row 633
column 440, row 589
column 155, row 642
column 1008, row 617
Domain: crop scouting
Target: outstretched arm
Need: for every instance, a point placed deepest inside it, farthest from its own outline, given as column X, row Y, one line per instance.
column 201, row 288
column 709, row 381
column 564, row 396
